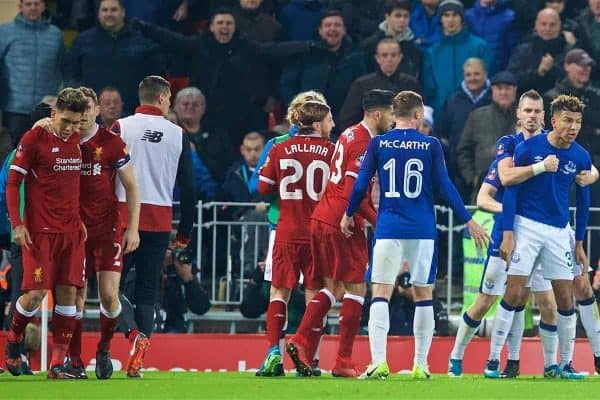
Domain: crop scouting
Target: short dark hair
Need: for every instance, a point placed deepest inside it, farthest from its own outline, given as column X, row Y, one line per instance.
column 118, row 1
column 391, row 5
column 151, row 87
column 377, row 98
column 388, row 40
column 221, row 11
column 89, row 93
column 333, row 12
column 71, row 99
column 405, row 103
column 108, row 89
column 531, row 94
column 566, row 102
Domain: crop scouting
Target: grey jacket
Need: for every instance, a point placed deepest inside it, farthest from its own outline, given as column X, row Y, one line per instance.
column 30, row 58
column 476, row 149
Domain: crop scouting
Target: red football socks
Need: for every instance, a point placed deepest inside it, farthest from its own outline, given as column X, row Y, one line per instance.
column 349, row 324
column 62, row 332
column 107, row 330
column 75, row 344
column 17, row 327
column 312, row 321
column 276, row 317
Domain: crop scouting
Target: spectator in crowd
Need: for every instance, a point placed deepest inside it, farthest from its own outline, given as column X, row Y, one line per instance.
column 493, row 21
column 484, row 126
column 211, row 145
column 574, row 33
column 111, row 106
column 589, row 19
column 254, row 24
column 330, row 71
column 181, row 290
column 113, row 54
column 474, row 92
column 161, row 12
column 31, row 52
column 425, row 23
column 388, row 77
column 537, row 63
column 395, row 25
column 300, row 18
column 578, row 67
column 426, row 125
column 444, row 60
column 231, row 71
column 362, row 17
column 236, row 189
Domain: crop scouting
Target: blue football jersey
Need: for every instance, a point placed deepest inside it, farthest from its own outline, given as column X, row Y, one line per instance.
column 545, row 197
column 493, row 178
column 409, row 165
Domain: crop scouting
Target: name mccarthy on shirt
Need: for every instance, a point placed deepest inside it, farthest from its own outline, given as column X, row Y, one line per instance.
column 404, row 144
column 307, row 148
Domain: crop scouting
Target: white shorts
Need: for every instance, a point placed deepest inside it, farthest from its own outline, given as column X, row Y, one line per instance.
column 389, row 254
column 544, row 244
column 493, row 281
column 268, row 275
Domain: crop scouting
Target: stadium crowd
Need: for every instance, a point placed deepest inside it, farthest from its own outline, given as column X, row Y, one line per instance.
column 234, row 67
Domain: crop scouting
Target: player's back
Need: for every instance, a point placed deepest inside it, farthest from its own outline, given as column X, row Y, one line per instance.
column 300, row 168
column 347, row 157
column 405, row 164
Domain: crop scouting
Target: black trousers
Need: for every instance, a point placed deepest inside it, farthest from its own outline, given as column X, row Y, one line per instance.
column 15, row 258
column 148, row 263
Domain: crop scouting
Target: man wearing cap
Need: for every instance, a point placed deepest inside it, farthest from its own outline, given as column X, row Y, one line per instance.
column 578, row 67
column 442, row 73
column 484, row 127
column 537, row 62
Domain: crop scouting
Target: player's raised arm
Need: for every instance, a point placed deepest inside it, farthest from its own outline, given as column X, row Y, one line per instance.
column 253, row 182
column 511, row 175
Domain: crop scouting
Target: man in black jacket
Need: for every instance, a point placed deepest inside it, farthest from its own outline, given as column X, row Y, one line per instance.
column 387, row 77
column 231, row 71
column 113, row 54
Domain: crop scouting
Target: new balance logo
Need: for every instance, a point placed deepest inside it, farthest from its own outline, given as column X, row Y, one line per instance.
column 55, row 149
column 152, row 136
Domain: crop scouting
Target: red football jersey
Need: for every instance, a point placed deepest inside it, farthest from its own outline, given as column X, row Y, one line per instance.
column 103, row 153
column 347, row 158
column 52, row 168
column 297, row 169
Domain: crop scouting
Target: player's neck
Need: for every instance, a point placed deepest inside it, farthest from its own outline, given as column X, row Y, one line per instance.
column 371, row 126
column 527, row 134
column 88, row 132
column 557, row 141
column 406, row 123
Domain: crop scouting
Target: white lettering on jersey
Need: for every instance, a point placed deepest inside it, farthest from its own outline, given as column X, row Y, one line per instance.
column 406, row 145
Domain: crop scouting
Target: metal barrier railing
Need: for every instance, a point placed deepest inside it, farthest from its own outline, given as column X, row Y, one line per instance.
column 222, row 287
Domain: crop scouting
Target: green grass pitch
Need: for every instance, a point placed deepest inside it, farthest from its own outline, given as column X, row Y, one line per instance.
column 244, row 385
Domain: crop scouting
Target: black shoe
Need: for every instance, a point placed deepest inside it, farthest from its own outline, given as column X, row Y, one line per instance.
column 104, row 367
column 25, row 368
column 511, row 370
column 316, row 371
column 75, row 372
column 278, row 370
column 597, row 364
column 13, row 358
column 58, row 372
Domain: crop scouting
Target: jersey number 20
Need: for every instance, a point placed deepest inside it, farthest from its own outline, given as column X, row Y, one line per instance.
column 412, row 174
column 296, row 194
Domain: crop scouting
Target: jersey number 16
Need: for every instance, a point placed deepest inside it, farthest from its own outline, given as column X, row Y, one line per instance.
column 412, row 175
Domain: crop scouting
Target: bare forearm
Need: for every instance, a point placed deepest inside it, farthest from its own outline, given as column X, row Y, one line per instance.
column 132, row 197
column 516, row 175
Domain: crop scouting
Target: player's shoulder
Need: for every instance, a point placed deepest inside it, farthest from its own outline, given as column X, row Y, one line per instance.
column 580, row 151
